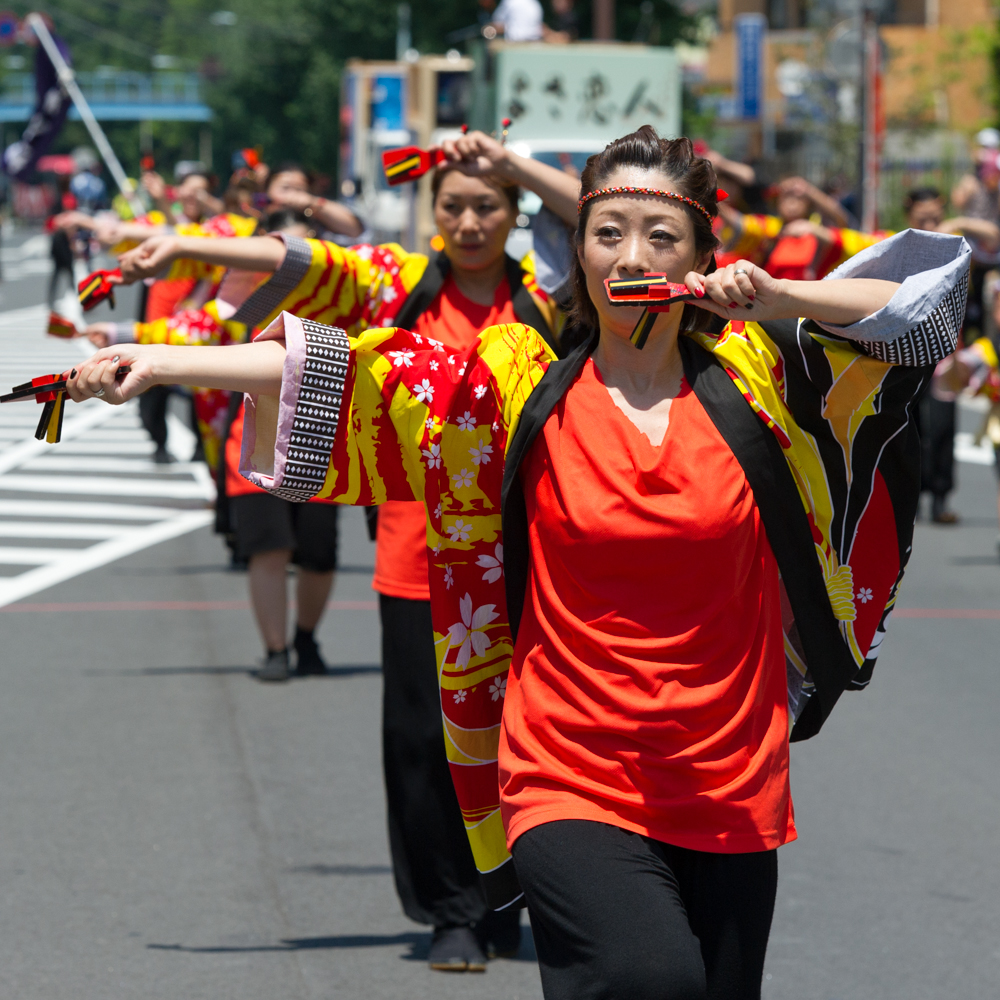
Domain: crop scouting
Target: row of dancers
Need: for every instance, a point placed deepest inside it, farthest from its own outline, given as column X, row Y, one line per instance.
column 615, row 581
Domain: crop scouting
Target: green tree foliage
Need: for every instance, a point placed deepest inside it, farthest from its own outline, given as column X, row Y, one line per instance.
column 272, row 68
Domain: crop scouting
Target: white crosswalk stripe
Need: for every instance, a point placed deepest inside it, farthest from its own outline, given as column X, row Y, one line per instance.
column 96, row 496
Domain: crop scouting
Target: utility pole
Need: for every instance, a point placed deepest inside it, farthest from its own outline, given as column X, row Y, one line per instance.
column 404, row 39
column 870, row 117
column 604, row 20
column 68, row 80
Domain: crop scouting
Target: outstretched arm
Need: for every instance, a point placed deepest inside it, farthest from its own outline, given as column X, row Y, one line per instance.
column 477, row 153
column 900, row 300
column 249, row 253
column 982, row 230
column 254, row 368
column 744, row 291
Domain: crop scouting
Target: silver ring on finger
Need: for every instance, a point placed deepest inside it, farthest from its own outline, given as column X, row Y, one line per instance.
column 100, row 393
column 741, row 270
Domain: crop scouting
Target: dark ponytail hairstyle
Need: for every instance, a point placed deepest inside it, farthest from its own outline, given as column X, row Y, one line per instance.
column 689, row 175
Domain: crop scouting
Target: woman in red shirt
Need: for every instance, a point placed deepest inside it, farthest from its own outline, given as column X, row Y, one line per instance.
column 655, row 669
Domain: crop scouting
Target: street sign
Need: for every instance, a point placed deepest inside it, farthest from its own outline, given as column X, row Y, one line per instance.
column 572, row 96
column 10, row 27
column 751, row 33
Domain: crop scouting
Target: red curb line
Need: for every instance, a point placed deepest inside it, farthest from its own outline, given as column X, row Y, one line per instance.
column 171, row 606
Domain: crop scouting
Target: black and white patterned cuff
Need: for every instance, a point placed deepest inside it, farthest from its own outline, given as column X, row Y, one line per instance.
column 304, row 429
column 317, row 413
column 270, row 295
column 919, row 325
column 930, row 342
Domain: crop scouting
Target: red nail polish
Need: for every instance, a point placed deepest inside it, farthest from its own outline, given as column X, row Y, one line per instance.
column 752, row 298
column 732, row 305
column 700, row 292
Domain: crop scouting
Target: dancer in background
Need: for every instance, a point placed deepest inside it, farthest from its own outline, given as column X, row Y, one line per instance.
column 977, row 196
column 925, row 210
column 268, row 533
column 793, row 244
column 288, row 186
column 448, row 300
column 687, row 566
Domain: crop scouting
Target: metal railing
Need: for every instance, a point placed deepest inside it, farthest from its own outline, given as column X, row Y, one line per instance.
column 118, row 87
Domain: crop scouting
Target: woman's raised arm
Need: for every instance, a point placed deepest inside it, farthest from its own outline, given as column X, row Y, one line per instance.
column 478, row 153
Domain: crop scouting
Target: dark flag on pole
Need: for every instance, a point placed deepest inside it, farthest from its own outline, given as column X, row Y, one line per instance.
column 52, row 106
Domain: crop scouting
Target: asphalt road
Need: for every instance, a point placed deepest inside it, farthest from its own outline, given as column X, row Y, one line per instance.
column 172, row 828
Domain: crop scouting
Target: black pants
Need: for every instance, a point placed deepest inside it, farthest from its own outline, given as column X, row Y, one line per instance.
column 153, row 405
column 618, row 916
column 436, row 877
column 153, row 413
column 937, row 446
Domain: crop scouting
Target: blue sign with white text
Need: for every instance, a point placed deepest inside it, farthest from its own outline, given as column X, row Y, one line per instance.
column 751, row 32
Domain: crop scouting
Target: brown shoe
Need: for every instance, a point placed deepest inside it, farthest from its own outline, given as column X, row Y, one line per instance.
column 946, row 517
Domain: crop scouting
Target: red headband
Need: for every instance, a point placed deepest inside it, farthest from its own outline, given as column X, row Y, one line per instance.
column 721, row 195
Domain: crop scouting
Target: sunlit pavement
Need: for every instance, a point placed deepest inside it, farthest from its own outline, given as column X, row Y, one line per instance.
column 172, row 828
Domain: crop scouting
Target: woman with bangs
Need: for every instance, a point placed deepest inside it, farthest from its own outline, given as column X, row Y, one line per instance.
column 669, row 556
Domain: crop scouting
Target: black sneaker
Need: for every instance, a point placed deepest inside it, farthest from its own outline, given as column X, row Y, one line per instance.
column 308, row 662
column 275, row 667
column 499, row 933
column 455, row 949
column 161, row 456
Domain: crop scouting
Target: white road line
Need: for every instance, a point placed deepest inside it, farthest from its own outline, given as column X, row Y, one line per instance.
column 974, row 454
column 92, row 415
column 28, row 557
column 142, row 449
column 92, row 486
column 45, row 529
column 14, row 588
column 67, row 463
column 81, row 509
column 105, row 455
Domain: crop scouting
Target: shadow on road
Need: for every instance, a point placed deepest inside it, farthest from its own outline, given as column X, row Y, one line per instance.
column 419, row 942
column 341, row 870
column 215, row 568
column 413, row 938
column 347, row 670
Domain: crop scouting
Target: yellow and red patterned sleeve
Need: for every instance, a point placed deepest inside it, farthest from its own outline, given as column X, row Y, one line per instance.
column 351, row 288
column 848, row 243
column 153, row 219
column 191, row 328
column 362, row 420
column 747, row 241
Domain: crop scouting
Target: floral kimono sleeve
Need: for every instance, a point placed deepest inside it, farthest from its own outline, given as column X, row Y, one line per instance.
column 190, row 328
column 362, row 420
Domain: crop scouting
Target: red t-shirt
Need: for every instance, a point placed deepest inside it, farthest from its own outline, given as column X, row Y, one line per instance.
column 647, row 688
column 237, row 485
column 163, row 297
column 401, row 550
column 798, row 258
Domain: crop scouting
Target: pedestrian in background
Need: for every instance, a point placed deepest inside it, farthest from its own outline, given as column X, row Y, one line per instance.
column 925, row 211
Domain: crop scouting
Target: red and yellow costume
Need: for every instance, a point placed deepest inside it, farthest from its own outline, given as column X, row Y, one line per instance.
column 821, row 426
